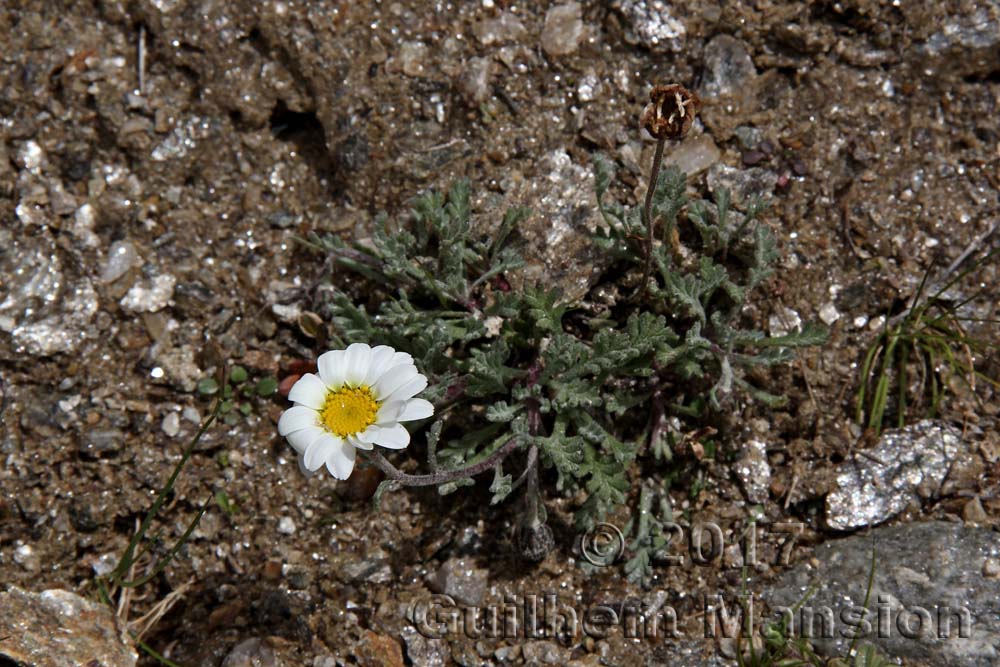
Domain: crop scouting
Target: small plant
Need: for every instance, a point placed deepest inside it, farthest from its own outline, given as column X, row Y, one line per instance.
column 116, row 588
column 523, row 380
column 920, row 353
column 239, row 394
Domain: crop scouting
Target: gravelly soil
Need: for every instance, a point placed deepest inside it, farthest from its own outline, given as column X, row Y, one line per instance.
column 149, row 234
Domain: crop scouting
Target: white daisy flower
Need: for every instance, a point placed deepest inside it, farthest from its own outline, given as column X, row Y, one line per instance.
column 358, row 400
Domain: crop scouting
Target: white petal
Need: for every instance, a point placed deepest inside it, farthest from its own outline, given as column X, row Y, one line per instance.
column 416, row 408
column 309, row 391
column 319, row 449
column 331, row 368
column 357, row 442
column 389, row 412
column 393, row 379
column 340, row 460
column 381, row 360
column 296, row 419
column 409, row 390
column 300, row 440
column 356, row 359
column 302, row 466
column 392, row 437
column 401, row 358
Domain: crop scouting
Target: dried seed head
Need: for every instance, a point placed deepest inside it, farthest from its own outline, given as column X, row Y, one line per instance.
column 671, row 112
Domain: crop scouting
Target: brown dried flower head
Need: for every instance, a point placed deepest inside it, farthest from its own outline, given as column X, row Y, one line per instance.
column 672, row 111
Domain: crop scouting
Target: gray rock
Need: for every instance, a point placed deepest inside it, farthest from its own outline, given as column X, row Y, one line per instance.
column 504, row 28
column 56, row 628
column 743, row 184
column 545, row 653
column 423, row 651
column 652, row 24
column 563, row 29
column 729, row 84
column 251, row 653
column 474, row 82
column 96, row 443
column 43, row 310
column 458, row 578
column 179, row 367
column 926, row 573
column 171, row 424
column 905, row 464
column 562, row 219
column 966, row 44
column 695, row 154
column 374, row 569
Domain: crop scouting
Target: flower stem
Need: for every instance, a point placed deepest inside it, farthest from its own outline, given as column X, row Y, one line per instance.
column 442, row 476
column 647, row 210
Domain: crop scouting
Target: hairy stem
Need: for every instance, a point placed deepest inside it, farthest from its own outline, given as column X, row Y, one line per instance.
column 442, row 476
column 647, row 210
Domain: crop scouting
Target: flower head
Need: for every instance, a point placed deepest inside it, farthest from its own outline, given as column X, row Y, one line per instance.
column 671, row 111
column 357, row 400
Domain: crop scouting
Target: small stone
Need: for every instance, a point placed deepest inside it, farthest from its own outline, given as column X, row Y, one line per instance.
column 424, row 651
column 151, row 296
column 563, row 29
column 974, row 514
column 729, row 71
column 96, row 443
column 458, row 578
column 191, row 414
column 754, row 472
column 286, row 526
column 829, row 313
column 413, row 58
column 546, row 653
column 743, row 184
column 25, row 556
column 784, row 322
column 695, row 154
column 179, row 367
column 375, row 650
column 474, row 82
column 253, row 652
column 171, row 424
column 504, row 28
column 122, row 256
column 991, row 568
column 651, row 23
column 83, row 226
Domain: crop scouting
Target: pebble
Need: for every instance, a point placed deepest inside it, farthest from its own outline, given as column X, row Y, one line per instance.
column 474, row 82
column 122, row 256
column 286, row 526
column 695, row 154
column 651, row 23
column 100, row 442
column 784, row 321
column 460, row 579
column 754, row 472
column 743, row 184
column 171, row 424
column 191, row 414
column 729, row 71
column 563, row 29
column 413, row 58
column 253, row 652
column 829, row 313
column 150, row 296
column 83, row 226
column 504, row 28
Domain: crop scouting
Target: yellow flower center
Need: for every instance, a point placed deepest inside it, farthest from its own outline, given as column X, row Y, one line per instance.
column 349, row 410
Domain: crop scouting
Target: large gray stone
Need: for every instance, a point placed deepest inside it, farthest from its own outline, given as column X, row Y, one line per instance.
column 935, row 597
